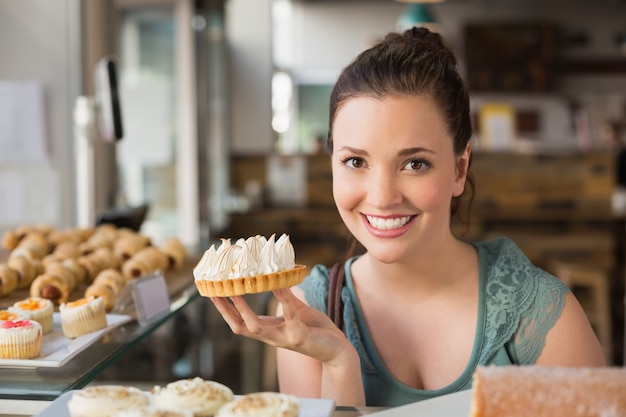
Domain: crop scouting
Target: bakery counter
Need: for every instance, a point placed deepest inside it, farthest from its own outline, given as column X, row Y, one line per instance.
column 45, row 383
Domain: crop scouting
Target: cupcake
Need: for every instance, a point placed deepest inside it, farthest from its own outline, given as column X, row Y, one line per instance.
column 266, row 404
column 9, row 315
column 105, row 400
column 37, row 309
column 20, row 339
column 248, row 266
column 82, row 316
column 202, row 398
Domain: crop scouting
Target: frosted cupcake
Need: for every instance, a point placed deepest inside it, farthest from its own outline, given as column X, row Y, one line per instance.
column 38, row 309
column 105, row 400
column 9, row 315
column 200, row 397
column 20, row 339
column 82, row 316
column 248, row 266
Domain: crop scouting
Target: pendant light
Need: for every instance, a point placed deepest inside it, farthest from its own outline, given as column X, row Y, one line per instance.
column 416, row 14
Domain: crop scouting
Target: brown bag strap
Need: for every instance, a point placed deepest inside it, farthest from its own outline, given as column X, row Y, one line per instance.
column 335, row 285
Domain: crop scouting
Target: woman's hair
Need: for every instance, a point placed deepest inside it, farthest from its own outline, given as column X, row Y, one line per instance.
column 414, row 63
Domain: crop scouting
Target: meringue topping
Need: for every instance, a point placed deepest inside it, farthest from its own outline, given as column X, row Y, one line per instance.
column 249, row 257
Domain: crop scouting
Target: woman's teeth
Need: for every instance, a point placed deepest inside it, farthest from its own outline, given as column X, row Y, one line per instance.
column 385, row 224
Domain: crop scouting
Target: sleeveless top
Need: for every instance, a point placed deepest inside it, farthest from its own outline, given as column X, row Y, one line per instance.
column 518, row 304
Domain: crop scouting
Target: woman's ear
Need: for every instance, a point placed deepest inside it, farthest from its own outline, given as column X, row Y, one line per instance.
column 462, row 168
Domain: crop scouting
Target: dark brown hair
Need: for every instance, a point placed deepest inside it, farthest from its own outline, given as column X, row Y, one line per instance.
column 414, row 63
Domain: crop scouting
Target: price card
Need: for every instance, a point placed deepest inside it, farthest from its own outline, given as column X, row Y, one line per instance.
column 150, row 297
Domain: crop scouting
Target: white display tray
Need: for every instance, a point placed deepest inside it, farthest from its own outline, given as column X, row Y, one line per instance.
column 57, row 350
column 450, row 405
column 309, row 407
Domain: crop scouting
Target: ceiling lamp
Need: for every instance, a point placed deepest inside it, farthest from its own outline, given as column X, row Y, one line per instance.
column 420, row 1
column 416, row 14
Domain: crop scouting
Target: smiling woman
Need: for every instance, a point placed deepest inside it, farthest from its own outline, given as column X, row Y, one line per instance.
column 422, row 308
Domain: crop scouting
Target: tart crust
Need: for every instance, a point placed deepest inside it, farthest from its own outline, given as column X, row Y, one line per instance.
column 251, row 285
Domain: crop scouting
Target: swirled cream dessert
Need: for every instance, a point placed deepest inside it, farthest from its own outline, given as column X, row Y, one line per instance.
column 203, row 398
column 150, row 411
column 262, row 404
column 105, row 400
column 251, row 265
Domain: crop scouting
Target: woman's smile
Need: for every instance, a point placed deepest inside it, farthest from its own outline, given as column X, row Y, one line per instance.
column 387, row 223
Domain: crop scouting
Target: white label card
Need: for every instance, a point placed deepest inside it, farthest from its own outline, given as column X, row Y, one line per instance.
column 150, row 297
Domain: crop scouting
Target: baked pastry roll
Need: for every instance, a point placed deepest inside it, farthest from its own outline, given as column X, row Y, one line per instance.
column 248, row 266
column 80, row 273
column 111, row 278
column 36, row 243
column 26, row 270
column 8, row 279
column 148, row 260
column 103, row 291
column 541, row 391
column 50, row 287
column 175, row 252
column 262, row 404
column 66, row 250
column 63, row 272
column 91, row 267
column 10, row 240
column 105, row 400
column 129, row 245
column 203, row 398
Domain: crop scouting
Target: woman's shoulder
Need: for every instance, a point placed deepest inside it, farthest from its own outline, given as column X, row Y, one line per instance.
column 517, row 293
column 506, row 265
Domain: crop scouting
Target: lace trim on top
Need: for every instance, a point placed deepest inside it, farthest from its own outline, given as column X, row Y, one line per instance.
column 523, row 302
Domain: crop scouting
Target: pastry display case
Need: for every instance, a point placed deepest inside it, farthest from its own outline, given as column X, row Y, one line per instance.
column 47, row 381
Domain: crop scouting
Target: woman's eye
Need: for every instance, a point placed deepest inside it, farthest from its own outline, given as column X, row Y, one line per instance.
column 354, row 162
column 416, row 165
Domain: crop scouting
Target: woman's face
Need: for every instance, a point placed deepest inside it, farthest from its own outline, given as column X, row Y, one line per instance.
column 395, row 173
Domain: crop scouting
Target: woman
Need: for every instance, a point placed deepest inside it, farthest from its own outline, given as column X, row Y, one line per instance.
column 422, row 309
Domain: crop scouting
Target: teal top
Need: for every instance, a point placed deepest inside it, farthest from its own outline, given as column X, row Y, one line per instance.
column 518, row 304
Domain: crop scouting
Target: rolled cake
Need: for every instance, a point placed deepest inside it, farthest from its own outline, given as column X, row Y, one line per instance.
column 248, row 266
column 522, row 391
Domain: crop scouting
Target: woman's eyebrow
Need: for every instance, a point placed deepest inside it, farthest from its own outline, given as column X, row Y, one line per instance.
column 355, row 151
column 412, row 151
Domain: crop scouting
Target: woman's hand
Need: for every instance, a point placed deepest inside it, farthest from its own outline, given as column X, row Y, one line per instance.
column 301, row 328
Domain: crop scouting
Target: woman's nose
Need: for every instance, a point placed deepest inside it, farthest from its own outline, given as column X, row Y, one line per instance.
column 383, row 190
